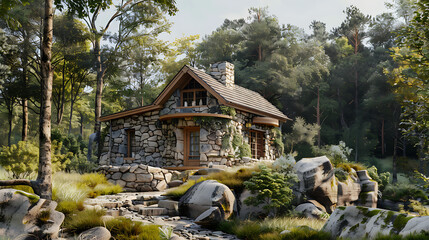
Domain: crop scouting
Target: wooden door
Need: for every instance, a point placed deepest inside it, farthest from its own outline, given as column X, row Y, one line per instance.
column 257, row 146
column 192, row 146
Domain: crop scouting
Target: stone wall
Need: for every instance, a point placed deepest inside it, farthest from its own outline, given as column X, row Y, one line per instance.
column 161, row 143
column 137, row 177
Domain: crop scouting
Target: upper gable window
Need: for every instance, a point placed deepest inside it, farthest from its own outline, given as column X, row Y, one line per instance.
column 193, row 94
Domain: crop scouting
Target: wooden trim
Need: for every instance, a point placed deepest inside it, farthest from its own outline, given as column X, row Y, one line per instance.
column 126, row 113
column 207, row 87
column 194, row 91
column 266, row 121
column 192, row 107
column 187, row 134
column 130, row 141
column 258, row 144
column 170, row 87
column 182, row 115
column 251, row 110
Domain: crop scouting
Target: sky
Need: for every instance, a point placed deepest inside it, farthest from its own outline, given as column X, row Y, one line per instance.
column 204, row 16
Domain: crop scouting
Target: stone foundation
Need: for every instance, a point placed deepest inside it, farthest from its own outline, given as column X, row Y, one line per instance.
column 138, row 177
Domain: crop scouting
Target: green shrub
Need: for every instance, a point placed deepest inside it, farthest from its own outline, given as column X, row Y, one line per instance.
column 20, row 159
column 84, row 220
column 382, row 179
column 126, row 229
column 271, row 188
column 403, row 192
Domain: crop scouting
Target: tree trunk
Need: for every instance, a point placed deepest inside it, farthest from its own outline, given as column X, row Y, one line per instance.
column 318, row 116
column 71, row 109
column 43, row 188
column 61, row 98
column 421, row 156
column 382, row 138
column 340, row 106
column 24, row 60
column 9, row 135
column 81, row 124
column 394, row 159
column 99, row 91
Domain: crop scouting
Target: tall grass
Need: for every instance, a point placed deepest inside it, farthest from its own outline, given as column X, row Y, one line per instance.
column 270, row 228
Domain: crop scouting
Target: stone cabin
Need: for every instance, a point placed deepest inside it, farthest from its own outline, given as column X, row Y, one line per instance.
column 199, row 119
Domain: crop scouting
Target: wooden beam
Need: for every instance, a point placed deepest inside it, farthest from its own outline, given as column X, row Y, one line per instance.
column 130, row 112
column 183, row 115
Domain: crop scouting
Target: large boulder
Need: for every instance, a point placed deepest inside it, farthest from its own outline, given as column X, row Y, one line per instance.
column 309, row 210
column 317, row 181
column 369, row 194
column 23, row 214
column 210, row 218
column 204, row 195
column 249, row 211
column 96, row 233
column 348, row 192
column 356, row 222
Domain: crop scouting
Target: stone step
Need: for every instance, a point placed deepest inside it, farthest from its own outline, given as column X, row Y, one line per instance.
column 153, row 211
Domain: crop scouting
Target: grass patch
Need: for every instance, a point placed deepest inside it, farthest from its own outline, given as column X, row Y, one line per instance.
column 403, row 192
column 84, row 220
column 178, row 192
column 270, row 228
column 68, row 207
column 125, row 229
column 234, row 179
column 305, row 233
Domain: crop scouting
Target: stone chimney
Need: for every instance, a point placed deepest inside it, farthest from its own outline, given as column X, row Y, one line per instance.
column 223, row 72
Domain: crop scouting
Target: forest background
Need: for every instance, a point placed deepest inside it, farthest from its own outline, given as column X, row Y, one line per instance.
column 363, row 82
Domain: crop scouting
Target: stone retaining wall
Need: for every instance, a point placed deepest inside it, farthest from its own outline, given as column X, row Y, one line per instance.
column 138, row 177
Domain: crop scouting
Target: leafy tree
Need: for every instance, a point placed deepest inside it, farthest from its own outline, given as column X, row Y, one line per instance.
column 132, row 15
column 301, row 132
column 410, row 79
column 183, row 52
column 354, row 28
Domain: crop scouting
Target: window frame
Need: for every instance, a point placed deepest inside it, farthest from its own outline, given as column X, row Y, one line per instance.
column 194, row 96
column 130, row 141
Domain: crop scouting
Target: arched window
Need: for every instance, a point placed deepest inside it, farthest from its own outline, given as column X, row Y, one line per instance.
column 193, row 94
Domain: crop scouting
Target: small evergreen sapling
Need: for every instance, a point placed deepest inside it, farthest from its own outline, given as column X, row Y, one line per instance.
column 271, row 188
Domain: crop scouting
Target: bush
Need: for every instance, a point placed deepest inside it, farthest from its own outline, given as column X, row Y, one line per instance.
column 382, row 179
column 20, row 159
column 271, row 188
column 403, row 192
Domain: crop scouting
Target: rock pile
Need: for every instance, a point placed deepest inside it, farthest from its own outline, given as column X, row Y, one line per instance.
column 318, row 183
column 356, row 222
column 138, row 177
column 26, row 216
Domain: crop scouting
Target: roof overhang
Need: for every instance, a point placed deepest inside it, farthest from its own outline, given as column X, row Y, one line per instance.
column 130, row 112
column 266, row 121
column 184, row 115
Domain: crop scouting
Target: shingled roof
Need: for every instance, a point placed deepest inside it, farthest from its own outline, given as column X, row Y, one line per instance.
column 236, row 96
